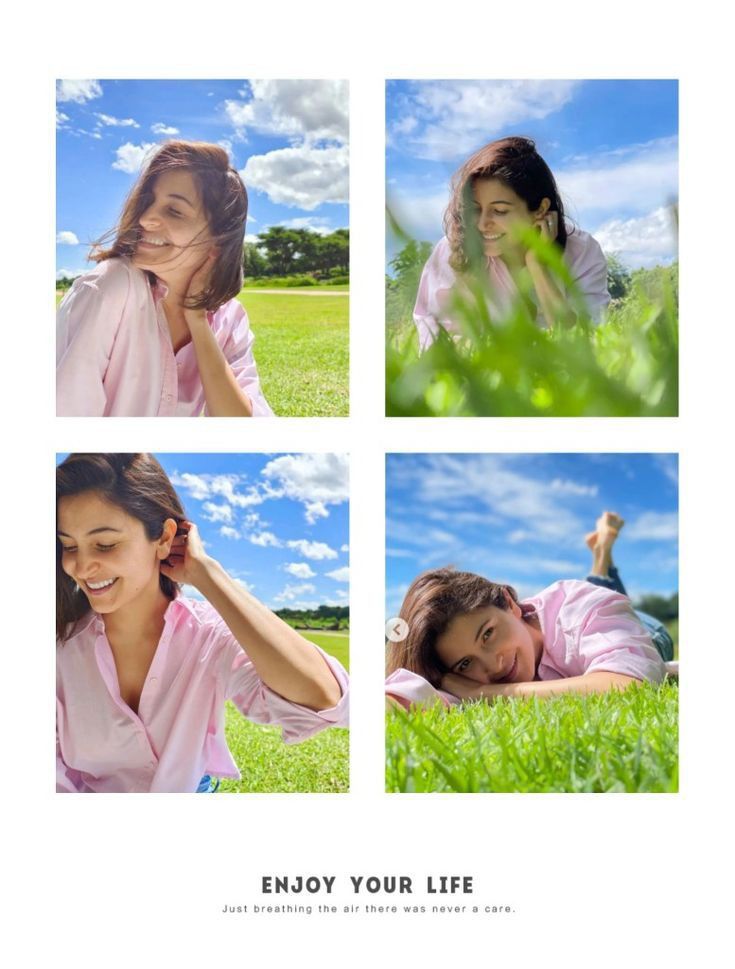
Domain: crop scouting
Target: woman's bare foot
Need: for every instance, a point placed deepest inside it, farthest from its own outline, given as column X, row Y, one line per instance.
column 608, row 528
column 601, row 541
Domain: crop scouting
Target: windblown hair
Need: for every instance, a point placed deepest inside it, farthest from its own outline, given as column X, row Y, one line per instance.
column 134, row 482
column 225, row 203
column 514, row 161
column 433, row 600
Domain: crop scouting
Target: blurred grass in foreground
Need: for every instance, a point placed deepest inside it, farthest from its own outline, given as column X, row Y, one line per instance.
column 625, row 367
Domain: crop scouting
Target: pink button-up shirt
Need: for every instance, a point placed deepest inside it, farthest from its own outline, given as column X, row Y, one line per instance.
column 114, row 356
column 582, row 254
column 178, row 734
column 585, row 628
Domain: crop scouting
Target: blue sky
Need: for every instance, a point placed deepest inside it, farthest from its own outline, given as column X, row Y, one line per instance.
column 612, row 145
column 277, row 523
column 288, row 140
column 522, row 518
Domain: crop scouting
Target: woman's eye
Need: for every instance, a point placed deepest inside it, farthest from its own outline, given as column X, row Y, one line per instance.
column 65, row 549
column 500, row 212
column 463, row 665
column 105, row 548
column 486, row 635
column 176, row 215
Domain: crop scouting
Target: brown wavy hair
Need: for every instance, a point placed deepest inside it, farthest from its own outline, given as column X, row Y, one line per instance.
column 433, row 600
column 515, row 162
column 134, row 482
column 225, row 203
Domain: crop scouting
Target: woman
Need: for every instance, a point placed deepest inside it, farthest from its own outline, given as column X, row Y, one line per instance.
column 499, row 193
column 469, row 638
column 156, row 329
column 142, row 671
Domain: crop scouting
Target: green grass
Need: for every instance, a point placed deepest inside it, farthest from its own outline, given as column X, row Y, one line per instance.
column 302, row 351
column 627, row 366
column 608, row 742
column 267, row 765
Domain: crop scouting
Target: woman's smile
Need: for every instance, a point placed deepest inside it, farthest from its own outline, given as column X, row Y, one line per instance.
column 98, row 588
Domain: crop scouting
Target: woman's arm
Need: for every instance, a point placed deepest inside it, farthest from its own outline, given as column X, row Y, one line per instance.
column 222, row 393
column 598, row 681
column 554, row 303
column 285, row 661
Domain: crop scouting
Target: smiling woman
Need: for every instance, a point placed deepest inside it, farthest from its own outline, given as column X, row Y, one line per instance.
column 155, row 329
column 143, row 672
column 498, row 195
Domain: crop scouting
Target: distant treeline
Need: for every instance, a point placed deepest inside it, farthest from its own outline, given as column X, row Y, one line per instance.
column 285, row 252
column 662, row 608
column 324, row 617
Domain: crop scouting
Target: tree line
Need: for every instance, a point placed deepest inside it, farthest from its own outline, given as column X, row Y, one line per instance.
column 285, row 252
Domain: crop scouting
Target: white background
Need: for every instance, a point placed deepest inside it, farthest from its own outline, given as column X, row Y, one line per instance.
column 595, row 880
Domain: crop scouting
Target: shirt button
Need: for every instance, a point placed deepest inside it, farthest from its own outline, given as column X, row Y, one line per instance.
column 168, row 397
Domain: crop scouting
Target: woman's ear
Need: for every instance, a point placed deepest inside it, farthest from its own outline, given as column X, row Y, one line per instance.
column 168, row 533
column 512, row 604
column 543, row 208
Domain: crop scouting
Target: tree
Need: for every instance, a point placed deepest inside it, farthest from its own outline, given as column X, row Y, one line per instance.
column 618, row 276
column 254, row 263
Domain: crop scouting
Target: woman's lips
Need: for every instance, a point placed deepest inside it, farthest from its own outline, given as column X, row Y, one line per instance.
column 98, row 592
column 510, row 675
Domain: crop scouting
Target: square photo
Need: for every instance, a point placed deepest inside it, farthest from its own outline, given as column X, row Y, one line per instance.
column 202, row 248
column 532, row 623
column 202, row 612
column 531, row 265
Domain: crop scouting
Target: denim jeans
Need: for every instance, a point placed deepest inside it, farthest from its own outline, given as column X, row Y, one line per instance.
column 207, row 785
column 659, row 634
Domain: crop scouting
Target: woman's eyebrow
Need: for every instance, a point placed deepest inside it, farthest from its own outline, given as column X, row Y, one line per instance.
column 173, row 195
column 94, row 531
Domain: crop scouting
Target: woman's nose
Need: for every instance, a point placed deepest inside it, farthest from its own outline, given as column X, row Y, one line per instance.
column 86, row 565
column 149, row 218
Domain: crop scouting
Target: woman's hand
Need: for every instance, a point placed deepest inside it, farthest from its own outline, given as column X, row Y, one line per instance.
column 198, row 284
column 187, row 561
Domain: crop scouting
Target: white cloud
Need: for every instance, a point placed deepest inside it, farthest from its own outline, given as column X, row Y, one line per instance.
column 316, row 224
column 68, row 273
column 310, row 478
column 629, row 180
column 61, row 118
column 344, row 548
column 109, row 121
column 67, row 239
column 201, row 486
column 447, row 120
column 131, row 158
column 228, row 532
column 265, row 539
column 78, row 91
column 312, row 550
column 159, row 128
column 303, row 177
column 216, row 513
column 314, row 510
column 312, row 110
column 340, row 575
column 292, row 592
column 566, row 487
column 645, row 241
column 654, row 526
column 299, row 569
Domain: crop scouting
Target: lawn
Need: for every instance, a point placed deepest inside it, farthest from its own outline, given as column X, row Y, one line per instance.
column 608, row 742
column 302, row 350
column 320, row 764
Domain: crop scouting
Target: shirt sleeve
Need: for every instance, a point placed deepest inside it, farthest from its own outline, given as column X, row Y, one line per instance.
column 68, row 781
column 615, row 640
column 410, row 689
column 238, row 351
column 259, row 703
column 437, row 280
column 88, row 320
column 590, row 275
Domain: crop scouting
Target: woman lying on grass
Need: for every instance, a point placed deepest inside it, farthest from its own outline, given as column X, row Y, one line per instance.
column 143, row 672
column 502, row 190
column 155, row 330
column 471, row 639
